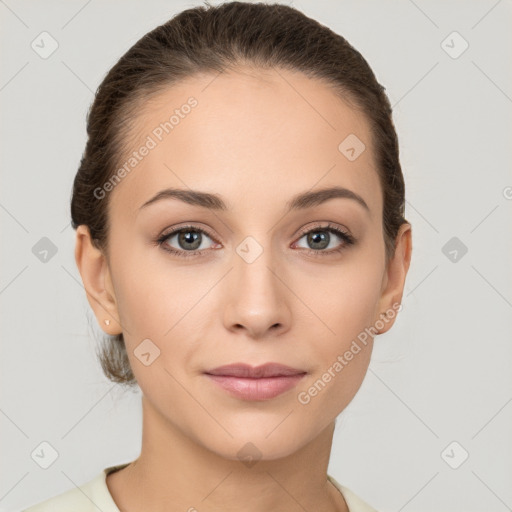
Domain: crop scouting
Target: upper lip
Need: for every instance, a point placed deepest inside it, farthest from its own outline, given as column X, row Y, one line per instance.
column 247, row 371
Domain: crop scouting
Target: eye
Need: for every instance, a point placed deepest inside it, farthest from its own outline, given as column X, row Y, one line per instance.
column 188, row 238
column 190, row 241
column 319, row 239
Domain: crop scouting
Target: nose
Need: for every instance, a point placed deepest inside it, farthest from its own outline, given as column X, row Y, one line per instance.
column 257, row 297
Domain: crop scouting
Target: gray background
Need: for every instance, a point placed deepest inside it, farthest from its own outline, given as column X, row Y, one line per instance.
column 442, row 374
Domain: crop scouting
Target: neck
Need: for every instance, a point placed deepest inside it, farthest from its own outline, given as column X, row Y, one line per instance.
column 176, row 472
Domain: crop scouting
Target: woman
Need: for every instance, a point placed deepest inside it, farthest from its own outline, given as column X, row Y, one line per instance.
column 240, row 233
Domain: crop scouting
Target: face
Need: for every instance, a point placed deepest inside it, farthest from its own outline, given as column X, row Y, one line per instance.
column 253, row 276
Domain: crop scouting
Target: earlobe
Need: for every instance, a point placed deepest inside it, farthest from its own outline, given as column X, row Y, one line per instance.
column 94, row 270
column 394, row 278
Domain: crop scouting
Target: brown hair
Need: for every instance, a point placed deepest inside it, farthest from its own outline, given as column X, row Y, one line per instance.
column 215, row 39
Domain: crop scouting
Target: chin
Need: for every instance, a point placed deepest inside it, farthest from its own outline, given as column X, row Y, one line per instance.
column 263, row 440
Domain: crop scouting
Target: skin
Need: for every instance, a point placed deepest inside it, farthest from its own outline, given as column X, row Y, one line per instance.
column 256, row 139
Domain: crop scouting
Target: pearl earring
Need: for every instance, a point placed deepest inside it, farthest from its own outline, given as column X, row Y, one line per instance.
column 107, row 322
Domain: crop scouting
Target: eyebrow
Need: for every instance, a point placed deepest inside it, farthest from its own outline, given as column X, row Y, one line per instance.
column 298, row 202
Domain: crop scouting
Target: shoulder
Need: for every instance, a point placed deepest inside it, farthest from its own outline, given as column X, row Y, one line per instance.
column 354, row 502
column 88, row 497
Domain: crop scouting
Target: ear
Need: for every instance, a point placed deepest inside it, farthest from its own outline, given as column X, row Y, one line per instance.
column 394, row 278
column 94, row 269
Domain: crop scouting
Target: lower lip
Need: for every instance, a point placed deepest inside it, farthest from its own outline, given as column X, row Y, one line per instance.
column 256, row 389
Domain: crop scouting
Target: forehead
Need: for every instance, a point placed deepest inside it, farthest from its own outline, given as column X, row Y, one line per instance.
column 248, row 135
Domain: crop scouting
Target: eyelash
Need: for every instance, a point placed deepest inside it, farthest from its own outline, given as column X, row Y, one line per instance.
column 346, row 237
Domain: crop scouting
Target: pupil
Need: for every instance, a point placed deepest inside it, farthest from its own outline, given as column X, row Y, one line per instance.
column 319, row 237
column 190, row 237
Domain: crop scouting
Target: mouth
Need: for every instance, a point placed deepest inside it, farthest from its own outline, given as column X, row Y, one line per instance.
column 255, row 383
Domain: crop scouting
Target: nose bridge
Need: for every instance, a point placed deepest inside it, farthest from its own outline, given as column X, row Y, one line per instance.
column 252, row 263
column 256, row 300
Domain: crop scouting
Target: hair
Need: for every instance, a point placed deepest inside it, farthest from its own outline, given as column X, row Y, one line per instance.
column 214, row 39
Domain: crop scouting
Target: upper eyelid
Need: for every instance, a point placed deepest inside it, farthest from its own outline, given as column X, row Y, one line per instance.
column 174, row 231
column 329, row 226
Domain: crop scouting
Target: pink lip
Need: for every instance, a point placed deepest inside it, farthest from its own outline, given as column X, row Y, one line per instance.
column 256, row 383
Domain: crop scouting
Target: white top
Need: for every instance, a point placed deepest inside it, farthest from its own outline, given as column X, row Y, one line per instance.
column 94, row 495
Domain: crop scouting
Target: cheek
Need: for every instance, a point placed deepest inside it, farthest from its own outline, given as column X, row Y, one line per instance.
column 324, row 396
column 149, row 293
column 343, row 355
column 159, row 303
column 342, row 300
